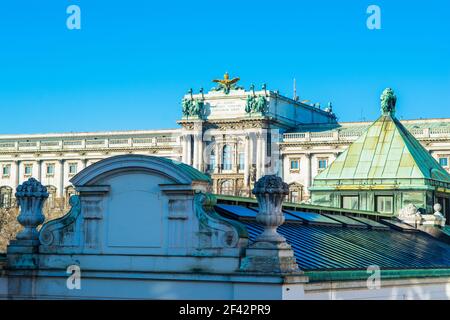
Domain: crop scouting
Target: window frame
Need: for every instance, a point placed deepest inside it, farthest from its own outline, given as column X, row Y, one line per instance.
column 241, row 160
column 70, row 165
column 443, row 158
column 319, row 160
column 6, row 166
column 227, row 158
column 377, row 197
column 294, row 160
column 47, row 166
column 350, row 196
column 27, row 166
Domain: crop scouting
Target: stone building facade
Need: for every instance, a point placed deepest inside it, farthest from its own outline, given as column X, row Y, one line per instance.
column 234, row 135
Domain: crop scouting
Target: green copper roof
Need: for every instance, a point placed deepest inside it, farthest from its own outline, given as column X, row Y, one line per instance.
column 385, row 151
column 193, row 173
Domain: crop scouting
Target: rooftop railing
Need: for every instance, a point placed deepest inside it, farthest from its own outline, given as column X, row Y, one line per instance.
column 351, row 135
column 90, row 143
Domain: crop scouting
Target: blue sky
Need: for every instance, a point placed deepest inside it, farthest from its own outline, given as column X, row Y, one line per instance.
column 132, row 61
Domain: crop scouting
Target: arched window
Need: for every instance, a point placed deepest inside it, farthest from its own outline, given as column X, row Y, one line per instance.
column 227, row 155
column 5, row 197
column 51, row 202
column 226, row 188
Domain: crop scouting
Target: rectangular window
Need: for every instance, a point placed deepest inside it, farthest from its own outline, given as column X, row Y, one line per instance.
column 294, row 196
column 385, row 204
column 443, row 161
column 6, row 170
column 241, row 161
column 323, row 164
column 350, row 202
column 72, row 168
column 212, row 163
column 28, row 169
column 50, row 169
column 295, row 164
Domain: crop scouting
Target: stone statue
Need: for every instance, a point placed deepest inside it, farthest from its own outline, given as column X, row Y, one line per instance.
column 197, row 109
column 388, row 102
column 255, row 104
column 186, row 107
column 249, row 106
column 260, row 104
column 409, row 211
column 192, row 107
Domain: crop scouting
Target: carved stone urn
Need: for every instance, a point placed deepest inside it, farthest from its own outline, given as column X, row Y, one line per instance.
column 31, row 196
column 270, row 253
column 270, row 191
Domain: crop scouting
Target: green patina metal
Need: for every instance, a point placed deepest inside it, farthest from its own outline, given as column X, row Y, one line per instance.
column 385, row 160
column 193, row 173
column 192, row 108
column 352, row 275
column 301, row 207
column 388, row 101
column 256, row 104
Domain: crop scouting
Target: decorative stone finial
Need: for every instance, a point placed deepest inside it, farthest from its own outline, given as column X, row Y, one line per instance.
column 31, row 196
column 270, row 191
column 440, row 219
column 270, row 253
column 388, row 102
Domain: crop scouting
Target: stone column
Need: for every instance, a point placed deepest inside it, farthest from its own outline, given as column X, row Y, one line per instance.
column 201, row 156
column 218, row 152
column 17, row 173
column 195, row 147
column 188, row 149
column 247, row 161
column 235, row 157
column 183, row 141
column 61, row 179
column 258, row 155
column 262, row 155
column 39, row 167
column 263, row 147
column 307, row 172
column 199, row 152
column 270, row 253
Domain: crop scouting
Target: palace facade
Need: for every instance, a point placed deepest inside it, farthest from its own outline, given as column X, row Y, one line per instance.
column 234, row 135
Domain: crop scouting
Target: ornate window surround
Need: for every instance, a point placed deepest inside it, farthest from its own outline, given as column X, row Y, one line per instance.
column 294, row 170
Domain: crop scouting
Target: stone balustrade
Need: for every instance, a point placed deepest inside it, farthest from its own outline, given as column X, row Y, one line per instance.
column 88, row 143
column 351, row 135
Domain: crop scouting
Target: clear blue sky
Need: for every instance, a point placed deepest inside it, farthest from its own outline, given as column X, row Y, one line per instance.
column 132, row 61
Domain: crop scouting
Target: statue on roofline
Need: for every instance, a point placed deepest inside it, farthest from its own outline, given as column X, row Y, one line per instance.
column 388, row 102
column 255, row 104
column 191, row 107
column 226, row 84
